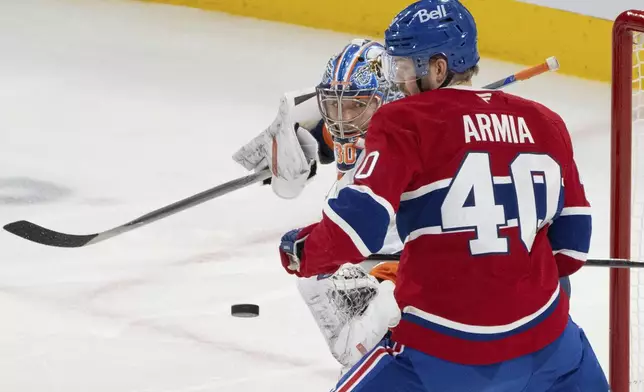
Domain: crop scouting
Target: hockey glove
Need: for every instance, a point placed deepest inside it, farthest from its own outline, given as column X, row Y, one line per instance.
column 287, row 148
column 292, row 249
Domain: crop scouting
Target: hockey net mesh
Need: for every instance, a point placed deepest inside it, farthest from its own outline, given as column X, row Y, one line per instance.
column 637, row 221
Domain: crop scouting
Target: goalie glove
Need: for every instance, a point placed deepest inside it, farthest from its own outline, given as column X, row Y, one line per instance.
column 291, row 247
column 352, row 310
column 285, row 147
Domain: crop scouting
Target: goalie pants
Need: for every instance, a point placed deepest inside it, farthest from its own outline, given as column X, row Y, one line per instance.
column 566, row 365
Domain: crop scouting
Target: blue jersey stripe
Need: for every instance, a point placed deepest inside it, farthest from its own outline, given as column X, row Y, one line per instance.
column 352, row 206
column 571, row 232
column 425, row 211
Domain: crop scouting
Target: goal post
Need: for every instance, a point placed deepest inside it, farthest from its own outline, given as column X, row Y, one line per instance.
column 627, row 203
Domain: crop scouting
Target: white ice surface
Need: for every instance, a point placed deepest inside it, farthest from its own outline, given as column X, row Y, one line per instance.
column 109, row 109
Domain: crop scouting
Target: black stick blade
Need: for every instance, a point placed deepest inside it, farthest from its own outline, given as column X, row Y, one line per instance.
column 41, row 235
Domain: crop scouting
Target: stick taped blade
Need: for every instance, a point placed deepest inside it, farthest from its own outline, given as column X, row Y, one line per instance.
column 41, row 235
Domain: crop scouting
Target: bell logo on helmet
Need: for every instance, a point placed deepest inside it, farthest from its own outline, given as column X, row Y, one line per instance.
column 425, row 16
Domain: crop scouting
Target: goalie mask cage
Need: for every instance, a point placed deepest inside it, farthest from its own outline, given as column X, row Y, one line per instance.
column 627, row 204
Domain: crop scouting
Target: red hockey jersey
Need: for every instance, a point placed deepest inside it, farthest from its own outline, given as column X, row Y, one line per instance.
column 487, row 198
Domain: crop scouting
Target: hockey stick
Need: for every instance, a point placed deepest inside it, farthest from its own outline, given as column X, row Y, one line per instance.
column 551, row 64
column 611, row 263
column 41, row 235
column 35, row 233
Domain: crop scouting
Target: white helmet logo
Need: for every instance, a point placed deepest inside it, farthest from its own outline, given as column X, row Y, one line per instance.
column 425, row 16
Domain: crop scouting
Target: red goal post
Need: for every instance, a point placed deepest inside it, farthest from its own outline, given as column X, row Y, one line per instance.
column 627, row 217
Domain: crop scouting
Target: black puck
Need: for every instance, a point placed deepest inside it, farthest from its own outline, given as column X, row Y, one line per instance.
column 244, row 310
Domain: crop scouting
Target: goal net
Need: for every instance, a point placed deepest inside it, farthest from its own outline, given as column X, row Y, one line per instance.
column 627, row 206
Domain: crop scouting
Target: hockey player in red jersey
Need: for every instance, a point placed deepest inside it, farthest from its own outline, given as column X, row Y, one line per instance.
column 486, row 195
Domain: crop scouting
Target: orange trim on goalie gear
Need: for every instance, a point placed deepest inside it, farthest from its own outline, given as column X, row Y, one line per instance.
column 336, row 77
column 387, row 270
column 326, row 135
column 345, row 154
column 274, row 157
column 530, row 72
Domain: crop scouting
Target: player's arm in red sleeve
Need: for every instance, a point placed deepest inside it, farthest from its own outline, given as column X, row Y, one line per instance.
column 354, row 224
column 570, row 232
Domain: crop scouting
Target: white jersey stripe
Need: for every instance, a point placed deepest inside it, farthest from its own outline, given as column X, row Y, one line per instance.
column 434, row 230
column 353, row 235
column 567, row 211
column 363, row 370
column 573, row 254
column 425, row 189
column 445, row 183
column 480, row 329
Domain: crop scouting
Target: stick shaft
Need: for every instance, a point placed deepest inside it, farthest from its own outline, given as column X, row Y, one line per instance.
column 610, row 263
column 44, row 236
column 551, row 64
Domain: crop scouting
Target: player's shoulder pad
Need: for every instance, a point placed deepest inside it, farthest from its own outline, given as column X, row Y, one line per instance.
column 542, row 109
column 410, row 106
column 548, row 116
column 397, row 112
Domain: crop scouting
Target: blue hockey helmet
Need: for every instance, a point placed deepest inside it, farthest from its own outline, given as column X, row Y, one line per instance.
column 425, row 29
column 352, row 88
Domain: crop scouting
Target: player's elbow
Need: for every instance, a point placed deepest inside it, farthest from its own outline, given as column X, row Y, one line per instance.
column 567, row 265
column 569, row 236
